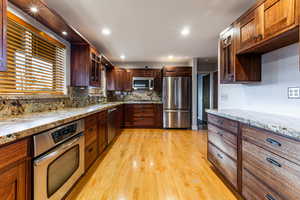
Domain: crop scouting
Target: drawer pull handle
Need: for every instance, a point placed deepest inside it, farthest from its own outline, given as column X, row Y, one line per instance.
column 220, row 122
column 219, row 155
column 90, row 129
column 273, row 162
column 269, row 197
column 273, row 142
column 90, row 150
column 220, row 133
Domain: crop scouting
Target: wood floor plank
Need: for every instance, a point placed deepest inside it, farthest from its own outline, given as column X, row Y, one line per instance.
column 153, row 164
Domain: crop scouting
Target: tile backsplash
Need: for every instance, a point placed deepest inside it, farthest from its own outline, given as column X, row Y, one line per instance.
column 139, row 95
column 77, row 97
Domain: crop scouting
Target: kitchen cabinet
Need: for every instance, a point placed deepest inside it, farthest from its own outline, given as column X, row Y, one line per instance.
column 258, row 163
column 279, row 16
column 227, row 56
column 85, row 66
column 223, row 148
column 143, row 116
column 249, row 29
column 115, row 79
column 127, row 81
column 102, row 131
column 3, row 23
column 173, row 71
column 15, row 180
column 266, row 26
column 90, row 137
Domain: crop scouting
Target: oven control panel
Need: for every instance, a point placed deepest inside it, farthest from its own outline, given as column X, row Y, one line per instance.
column 64, row 133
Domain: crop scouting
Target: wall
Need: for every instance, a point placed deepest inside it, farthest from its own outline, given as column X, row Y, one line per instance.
column 280, row 70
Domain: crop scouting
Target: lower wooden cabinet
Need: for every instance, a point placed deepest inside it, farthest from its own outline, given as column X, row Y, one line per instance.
column 278, row 174
column 102, row 131
column 91, row 154
column 224, row 164
column 15, row 176
column 254, row 189
column 259, row 164
column 143, row 116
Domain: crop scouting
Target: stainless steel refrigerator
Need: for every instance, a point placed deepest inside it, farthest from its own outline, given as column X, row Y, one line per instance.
column 177, row 102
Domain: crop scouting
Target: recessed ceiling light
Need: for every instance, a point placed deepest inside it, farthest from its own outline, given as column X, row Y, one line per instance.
column 185, row 31
column 106, row 31
column 122, row 57
column 170, row 57
column 64, row 33
column 34, row 9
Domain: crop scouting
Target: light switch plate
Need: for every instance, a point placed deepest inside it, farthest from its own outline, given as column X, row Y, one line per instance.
column 294, row 92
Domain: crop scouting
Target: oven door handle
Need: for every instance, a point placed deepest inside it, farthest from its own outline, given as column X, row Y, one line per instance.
column 59, row 150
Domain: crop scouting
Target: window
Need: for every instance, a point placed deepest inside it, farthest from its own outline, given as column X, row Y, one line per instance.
column 35, row 61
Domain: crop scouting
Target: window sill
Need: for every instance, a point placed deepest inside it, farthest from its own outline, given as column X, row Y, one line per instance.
column 30, row 97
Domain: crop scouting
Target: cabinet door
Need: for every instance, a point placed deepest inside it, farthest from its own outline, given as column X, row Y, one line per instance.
column 102, row 135
column 249, row 29
column 278, row 16
column 158, row 81
column 127, row 81
column 3, row 20
column 13, row 183
column 119, row 77
column 226, row 56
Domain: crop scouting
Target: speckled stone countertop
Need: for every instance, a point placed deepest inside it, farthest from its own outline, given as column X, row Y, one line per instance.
column 142, row 102
column 280, row 124
column 15, row 128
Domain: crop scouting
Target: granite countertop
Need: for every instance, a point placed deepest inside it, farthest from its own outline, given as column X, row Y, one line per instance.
column 142, row 102
column 19, row 127
column 280, row 124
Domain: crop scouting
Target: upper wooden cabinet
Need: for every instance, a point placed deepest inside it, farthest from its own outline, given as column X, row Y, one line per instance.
column 85, row 66
column 278, row 16
column 119, row 79
column 115, row 79
column 268, row 25
column 173, row 71
column 227, row 55
column 249, row 29
column 3, row 22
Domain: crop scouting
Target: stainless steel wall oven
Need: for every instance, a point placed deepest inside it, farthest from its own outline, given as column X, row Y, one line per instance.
column 59, row 160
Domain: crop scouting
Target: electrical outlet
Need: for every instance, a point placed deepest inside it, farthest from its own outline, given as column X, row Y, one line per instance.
column 294, row 92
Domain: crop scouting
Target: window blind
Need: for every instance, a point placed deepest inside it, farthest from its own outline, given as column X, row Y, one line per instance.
column 35, row 64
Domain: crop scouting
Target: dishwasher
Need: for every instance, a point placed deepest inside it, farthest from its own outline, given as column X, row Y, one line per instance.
column 111, row 125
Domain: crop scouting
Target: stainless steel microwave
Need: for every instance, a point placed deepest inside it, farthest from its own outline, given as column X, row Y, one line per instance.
column 143, row 83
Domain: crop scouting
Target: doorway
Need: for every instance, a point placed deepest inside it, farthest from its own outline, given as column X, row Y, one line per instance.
column 203, row 99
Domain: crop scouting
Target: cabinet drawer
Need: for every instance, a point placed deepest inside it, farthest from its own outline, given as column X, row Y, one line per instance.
column 90, row 134
column 287, row 148
column 13, row 152
column 225, row 141
column 254, row 189
column 144, row 113
column 103, row 115
column 143, row 122
column 227, row 124
column 223, row 163
column 275, row 171
column 91, row 153
column 91, row 120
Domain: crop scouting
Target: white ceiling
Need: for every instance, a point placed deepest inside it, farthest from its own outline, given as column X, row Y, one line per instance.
column 149, row 30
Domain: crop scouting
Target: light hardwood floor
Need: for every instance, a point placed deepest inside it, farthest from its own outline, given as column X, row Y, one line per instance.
column 151, row 164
